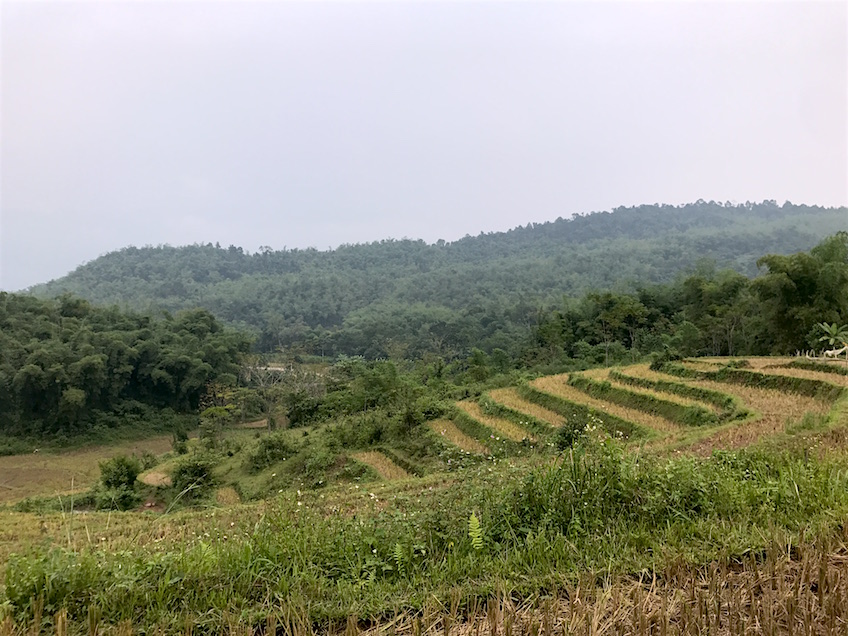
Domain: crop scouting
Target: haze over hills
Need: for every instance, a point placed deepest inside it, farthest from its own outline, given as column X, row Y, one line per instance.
column 351, row 299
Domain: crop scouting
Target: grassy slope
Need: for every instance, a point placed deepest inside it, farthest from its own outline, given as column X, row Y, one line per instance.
column 409, row 540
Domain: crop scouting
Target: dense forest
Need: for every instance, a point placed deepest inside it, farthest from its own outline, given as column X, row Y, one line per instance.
column 67, row 367
column 406, row 298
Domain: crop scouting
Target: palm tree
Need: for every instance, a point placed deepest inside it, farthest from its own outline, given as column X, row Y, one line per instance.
column 835, row 334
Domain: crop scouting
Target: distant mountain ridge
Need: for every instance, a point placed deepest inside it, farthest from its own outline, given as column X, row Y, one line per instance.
column 290, row 295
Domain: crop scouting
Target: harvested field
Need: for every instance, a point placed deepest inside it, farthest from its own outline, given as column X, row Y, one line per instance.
column 449, row 431
column 661, row 395
column 832, row 378
column 498, row 424
column 45, row 474
column 776, row 409
column 510, row 399
column 558, row 385
column 384, row 466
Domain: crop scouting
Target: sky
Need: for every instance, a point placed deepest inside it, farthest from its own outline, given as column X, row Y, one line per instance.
column 313, row 124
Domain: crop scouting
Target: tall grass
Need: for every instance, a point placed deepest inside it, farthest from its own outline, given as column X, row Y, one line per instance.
column 595, row 509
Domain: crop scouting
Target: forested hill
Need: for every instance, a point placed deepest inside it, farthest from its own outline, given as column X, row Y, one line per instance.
column 477, row 291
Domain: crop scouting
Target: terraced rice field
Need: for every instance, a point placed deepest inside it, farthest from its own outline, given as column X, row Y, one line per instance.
column 772, row 410
column 603, row 375
column 775, row 410
column 558, row 385
column 498, row 424
column 449, row 431
column 384, row 466
column 511, row 399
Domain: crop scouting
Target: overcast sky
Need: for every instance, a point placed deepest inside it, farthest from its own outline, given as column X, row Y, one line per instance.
column 314, row 124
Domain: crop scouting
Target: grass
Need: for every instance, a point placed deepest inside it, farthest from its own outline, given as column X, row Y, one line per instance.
column 46, row 474
column 543, row 527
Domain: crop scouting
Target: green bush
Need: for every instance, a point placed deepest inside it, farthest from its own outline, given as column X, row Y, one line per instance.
column 120, row 472
column 193, row 476
column 271, row 449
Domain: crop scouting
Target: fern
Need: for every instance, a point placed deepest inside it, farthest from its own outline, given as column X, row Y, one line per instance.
column 400, row 558
column 475, row 531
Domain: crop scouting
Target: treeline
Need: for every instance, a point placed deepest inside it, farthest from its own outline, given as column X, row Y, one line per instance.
column 68, row 367
column 409, row 299
column 709, row 312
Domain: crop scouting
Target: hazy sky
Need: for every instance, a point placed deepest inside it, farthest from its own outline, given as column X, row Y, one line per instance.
column 313, row 124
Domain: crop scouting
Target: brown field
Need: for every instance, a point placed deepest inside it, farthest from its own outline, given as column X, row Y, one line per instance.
column 385, row 467
column 831, row 378
column 45, row 474
column 668, row 397
column 448, row 430
column 510, row 399
column 497, row 424
column 775, row 410
column 558, row 385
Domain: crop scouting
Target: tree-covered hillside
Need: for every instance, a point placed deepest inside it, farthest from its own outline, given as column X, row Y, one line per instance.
column 67, row 367
column 408, row 297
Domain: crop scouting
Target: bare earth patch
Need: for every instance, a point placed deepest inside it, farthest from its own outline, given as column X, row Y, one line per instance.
column 385, row 467
column 498, row 424
column 448, row 430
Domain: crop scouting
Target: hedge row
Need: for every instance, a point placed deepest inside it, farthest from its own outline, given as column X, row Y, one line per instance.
column 823, row 367
column 729, row 406
column 688, row 415
column 800, row 386
column 578, row 416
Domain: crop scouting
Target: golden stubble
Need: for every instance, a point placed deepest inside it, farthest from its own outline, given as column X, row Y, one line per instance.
column 558, row 385
column 497, row 424
column 448, row 430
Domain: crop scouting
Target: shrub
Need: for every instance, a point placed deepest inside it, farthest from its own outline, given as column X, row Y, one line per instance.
column 119, row 472
column 193, row 476
column 270, row 450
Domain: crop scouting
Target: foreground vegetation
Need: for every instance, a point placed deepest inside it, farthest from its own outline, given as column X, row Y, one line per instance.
column 519, row 522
